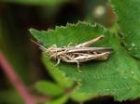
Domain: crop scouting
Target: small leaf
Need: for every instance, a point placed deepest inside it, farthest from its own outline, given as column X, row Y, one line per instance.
column 49, row 88
column 81, row 97
column 60, row 100
column 118, row 76
column 128, row 13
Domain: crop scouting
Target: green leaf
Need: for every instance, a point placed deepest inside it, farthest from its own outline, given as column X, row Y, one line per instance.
column 49, row 88
column 37, row 2
column 118, row 76
column 81, row 97
column 60, row 100
column 128, row 13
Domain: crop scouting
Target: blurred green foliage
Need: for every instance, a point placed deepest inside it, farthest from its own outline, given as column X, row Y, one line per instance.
column 130, row 25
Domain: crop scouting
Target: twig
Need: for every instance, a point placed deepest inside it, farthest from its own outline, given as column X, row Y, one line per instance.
column 16, row 81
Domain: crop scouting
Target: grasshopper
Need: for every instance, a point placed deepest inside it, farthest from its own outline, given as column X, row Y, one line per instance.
column 79, row 53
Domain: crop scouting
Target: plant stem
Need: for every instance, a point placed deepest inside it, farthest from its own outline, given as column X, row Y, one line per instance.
column 16, row 81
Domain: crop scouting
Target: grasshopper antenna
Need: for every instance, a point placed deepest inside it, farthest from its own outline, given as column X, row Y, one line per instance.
column 41, row 47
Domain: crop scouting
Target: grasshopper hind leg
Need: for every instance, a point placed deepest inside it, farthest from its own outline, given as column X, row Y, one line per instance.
column 89, row 43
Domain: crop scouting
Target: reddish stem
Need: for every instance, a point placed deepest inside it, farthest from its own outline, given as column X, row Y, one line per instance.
column 16, row 81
